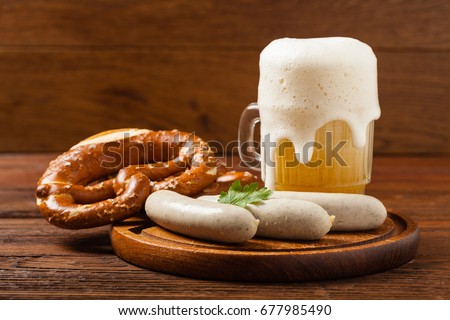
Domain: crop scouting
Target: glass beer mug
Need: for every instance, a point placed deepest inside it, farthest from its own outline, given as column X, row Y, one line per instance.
column 317, row 102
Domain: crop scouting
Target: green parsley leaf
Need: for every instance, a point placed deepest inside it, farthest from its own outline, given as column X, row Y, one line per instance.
column 241, row 196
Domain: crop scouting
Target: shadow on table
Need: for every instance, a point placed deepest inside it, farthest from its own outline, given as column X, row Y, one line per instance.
column 90, row 241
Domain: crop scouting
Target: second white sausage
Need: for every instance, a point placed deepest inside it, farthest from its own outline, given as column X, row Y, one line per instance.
column 290, row 219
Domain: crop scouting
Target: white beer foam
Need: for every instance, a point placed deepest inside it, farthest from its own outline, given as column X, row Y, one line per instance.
column 306, row 83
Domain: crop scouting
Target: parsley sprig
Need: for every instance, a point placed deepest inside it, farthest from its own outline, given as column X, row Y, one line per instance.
column 241, row 196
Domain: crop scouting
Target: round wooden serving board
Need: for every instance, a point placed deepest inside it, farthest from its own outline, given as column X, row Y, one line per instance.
column 337, row 255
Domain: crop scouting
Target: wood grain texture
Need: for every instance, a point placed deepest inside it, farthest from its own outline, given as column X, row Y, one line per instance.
column 96, row 90
column 392, row 23
column 71, row 95
column 73, row 68
column 337, row 255
column 47, row 262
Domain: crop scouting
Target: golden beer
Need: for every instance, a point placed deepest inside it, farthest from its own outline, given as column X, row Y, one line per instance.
column 347, row 171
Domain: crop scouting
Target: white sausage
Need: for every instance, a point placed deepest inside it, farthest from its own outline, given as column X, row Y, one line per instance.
column 353, row 212
column 201, row 219
column 290, row 219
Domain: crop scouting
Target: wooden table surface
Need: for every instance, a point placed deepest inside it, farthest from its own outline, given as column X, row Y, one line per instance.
column 40, row 261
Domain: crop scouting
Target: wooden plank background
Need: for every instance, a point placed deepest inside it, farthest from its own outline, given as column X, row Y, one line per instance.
column 69, row 69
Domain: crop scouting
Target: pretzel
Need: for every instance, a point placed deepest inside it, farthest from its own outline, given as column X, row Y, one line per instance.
column 226, row 178
column 107, row 177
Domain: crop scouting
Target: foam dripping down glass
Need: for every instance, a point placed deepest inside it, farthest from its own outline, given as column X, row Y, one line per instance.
column 317, row 102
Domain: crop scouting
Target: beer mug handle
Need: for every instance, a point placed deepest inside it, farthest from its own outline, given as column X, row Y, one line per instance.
column 247, row 150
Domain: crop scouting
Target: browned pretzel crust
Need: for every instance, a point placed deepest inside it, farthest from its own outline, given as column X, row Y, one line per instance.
column 78, row 189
